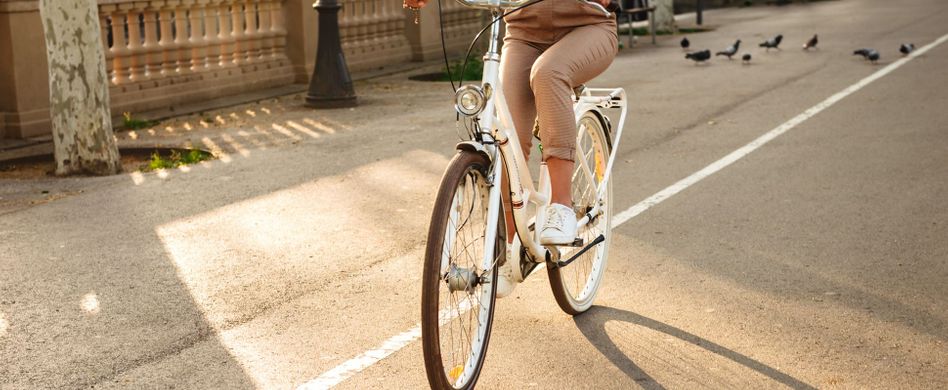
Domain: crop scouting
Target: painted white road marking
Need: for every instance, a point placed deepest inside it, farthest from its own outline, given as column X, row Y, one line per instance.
column 355, row 365
column 709, row 170
column 359, row 363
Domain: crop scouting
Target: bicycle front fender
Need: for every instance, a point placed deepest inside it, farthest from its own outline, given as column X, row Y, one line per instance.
column 476, row 147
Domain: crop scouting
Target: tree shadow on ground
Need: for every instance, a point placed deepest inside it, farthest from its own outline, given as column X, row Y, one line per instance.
column 593, row 325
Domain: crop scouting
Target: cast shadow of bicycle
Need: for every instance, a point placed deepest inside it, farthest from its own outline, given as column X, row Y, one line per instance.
column 593, row 325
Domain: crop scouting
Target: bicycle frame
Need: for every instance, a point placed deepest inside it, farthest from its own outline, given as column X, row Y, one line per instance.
column 500, row 142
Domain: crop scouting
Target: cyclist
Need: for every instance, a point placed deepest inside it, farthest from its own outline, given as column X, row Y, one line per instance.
column 550, row 47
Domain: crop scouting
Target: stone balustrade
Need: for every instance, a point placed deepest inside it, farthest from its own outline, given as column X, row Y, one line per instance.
column 174, row 46
column 373, row 33
column 460, row 24
column 167, row 54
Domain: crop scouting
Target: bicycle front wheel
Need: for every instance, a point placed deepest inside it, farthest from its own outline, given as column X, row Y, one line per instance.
column 458, row 295
column 576, row 285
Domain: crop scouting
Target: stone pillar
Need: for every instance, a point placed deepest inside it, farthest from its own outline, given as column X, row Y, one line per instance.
column 665, row 15
column 424, row 37
column 24, row 91
column 302, row 35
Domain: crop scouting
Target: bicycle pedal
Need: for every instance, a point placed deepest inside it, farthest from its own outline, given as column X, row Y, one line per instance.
column 578, row 242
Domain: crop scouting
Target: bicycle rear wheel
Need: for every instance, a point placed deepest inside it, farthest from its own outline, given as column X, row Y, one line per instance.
column 576, row 285
column 458, row 295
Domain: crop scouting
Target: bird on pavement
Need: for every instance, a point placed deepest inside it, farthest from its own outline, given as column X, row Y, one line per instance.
column 906, row 48
column 772, row 43
column 685, row 43
column 699, row 56
column 731, row 50
column 746, row 58
column 811, row 44
column 869, row 54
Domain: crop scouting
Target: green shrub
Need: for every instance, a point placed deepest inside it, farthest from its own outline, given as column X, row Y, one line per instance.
column 177, row 159
column 133, row 123
column 474, row 70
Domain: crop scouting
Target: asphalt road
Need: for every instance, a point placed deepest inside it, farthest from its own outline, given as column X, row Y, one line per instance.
column 817, row 261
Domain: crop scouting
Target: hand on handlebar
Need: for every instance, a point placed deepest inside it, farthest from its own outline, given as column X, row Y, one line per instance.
column 607, row 6
column 414, row 3
column 603, row 3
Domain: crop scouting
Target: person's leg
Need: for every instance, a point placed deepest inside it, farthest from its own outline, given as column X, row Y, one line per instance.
column 576, row 58
column 515, row 64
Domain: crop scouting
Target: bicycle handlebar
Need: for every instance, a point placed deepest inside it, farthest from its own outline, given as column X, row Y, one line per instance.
column 494, row 4
column 511, row 4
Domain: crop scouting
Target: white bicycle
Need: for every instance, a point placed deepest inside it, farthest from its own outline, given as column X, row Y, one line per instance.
column 466, row 237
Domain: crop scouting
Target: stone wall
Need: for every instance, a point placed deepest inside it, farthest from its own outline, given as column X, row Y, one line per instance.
column 161, row 53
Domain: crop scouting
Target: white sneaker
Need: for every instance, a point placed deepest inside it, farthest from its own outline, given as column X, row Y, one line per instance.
column 559, row 227
column 509, row 273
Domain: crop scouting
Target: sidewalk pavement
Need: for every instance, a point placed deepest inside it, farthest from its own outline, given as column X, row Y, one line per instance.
column 270, row 123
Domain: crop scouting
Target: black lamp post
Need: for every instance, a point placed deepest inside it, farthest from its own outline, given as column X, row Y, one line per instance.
column 699, row 12
column 331, row 85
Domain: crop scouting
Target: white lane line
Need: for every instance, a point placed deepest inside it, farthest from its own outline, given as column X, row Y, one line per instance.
column 352, row 366
column 709, row 170
column 355, row 365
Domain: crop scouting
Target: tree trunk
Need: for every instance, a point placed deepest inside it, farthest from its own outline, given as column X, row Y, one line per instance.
column 665, row 15
column 78, row 89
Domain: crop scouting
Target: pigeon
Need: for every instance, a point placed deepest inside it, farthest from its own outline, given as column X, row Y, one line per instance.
column 906, row 48
column 731, row 50
column 811, row 44
column 699, row 56
column 746, row 58
column 869, row 54
column 685, row 43
column 772, row 43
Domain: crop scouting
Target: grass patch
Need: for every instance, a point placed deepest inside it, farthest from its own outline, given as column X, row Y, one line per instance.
column 133, row 123
column 474, row 70
column 176, row 159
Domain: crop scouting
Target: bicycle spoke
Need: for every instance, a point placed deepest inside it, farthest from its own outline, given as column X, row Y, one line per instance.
column 461, row 308
column 576, row 284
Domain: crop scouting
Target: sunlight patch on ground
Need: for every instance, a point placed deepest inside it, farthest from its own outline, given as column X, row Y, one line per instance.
column 235, row 145
column 90, row 303
column 137, row 177
column 216, row 149
column 283, row 130
column 239, row 259
column 303, row 129
column 4, row 325
column 319, row 126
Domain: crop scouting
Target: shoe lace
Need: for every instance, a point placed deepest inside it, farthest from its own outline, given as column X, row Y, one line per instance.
column 555, row 219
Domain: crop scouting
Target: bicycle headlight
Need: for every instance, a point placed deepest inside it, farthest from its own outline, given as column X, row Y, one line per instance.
column 470, row 100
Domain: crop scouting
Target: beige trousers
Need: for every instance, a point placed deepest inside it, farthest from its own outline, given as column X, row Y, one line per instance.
column 550, row 48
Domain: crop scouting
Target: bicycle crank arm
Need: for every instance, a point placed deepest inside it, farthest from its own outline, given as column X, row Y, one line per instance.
column 573, row 258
